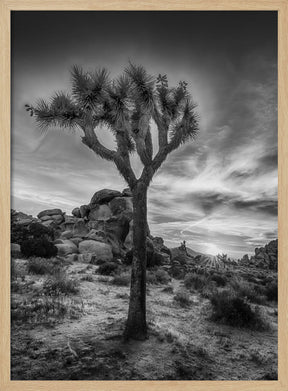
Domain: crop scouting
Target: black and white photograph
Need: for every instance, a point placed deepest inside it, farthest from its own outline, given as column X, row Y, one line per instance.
column 144, row 195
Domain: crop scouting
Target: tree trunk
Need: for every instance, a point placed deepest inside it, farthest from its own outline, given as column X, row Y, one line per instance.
column 136, row 326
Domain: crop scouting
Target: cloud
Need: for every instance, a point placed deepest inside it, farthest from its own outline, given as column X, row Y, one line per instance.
column 218, row 192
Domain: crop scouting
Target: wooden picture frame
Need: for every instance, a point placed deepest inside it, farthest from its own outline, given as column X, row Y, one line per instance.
column 281, row 6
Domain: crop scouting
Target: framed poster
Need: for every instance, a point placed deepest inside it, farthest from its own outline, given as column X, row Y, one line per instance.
column 148, row 183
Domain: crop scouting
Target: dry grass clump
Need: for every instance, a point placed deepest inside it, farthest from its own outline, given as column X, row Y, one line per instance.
column 234, row 311
column 122, row 279
column 45, row 310
column 41, row 266
column 107, row 268
column 60, row 284
column 182, row 298
column 195, row 281
column 158, row 276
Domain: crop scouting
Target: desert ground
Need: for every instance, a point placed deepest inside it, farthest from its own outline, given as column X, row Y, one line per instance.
column 68, row 320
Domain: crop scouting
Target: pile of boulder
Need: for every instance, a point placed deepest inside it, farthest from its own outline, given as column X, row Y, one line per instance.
column 51, row 217
column 101, row 230
column 265, row 257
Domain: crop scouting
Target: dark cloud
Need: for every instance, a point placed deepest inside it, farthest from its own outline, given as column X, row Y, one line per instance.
column 270, row 160
column 266, row 206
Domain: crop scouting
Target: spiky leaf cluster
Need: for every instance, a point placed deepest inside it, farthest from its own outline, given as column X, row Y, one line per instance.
column 124, row 105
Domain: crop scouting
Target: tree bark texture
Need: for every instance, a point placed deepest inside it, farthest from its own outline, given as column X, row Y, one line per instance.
column 136, row 326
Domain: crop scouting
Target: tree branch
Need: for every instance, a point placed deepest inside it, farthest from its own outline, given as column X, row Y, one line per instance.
column 162, row 129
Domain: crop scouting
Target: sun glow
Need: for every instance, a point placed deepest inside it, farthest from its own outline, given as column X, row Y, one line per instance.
column 212, row 249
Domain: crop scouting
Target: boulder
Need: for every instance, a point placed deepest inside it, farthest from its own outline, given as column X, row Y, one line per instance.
column 100, row 250
column 100, row 212
column 84, row 211
column 104, row 196
column 25, row 222
column 72, row 257
column 117, row 228
column 80, row 228
column 57, row 218
column 76, row 241
column 50, row 212
column 76, row 212
column 48, row 223
column 97, row 235
column 66, row 235
column 70, row 220
column 87, row 258
column 45, row 218
column 65, row 247
column 121, row 204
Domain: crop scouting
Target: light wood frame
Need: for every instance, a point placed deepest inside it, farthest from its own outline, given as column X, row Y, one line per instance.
column 274, row 5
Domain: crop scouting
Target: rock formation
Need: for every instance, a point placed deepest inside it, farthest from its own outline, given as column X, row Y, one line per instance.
column 103, row 229
column 265, row 257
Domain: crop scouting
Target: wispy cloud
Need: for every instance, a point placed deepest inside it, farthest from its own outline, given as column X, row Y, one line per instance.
column 218, row 193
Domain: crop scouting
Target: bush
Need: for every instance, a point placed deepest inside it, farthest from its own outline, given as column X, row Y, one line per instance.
column 182, row 298
column 38, row 248
column 195, row 281
column 39, row 266
column 251, row 292
column 37, row 230
column 107, row 268
column 234, row 311
column 154, row 259
column 157, row 277
column 220, row 280
column 60, row 284
column 272, row 291
column 151, row 278
column 122, row 279
column 162, row 276
column 20, row 233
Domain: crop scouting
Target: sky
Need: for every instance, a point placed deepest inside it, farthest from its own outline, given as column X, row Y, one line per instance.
column 219, row 192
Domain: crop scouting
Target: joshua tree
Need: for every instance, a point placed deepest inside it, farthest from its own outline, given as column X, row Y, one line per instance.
column 127, row 106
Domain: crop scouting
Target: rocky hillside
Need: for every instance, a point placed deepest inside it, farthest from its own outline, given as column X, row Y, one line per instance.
column 265, row 257
column 100, row 230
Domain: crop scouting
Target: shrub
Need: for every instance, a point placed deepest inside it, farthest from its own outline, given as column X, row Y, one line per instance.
column 272, row 291
column 234, row 311
column 181, row 258
column 151, row 278
column 182, row 298
column 60, row 284
column 42, row 266
column 39, row 248
column 19, row 233
column 248, row 291
column 122, row 279
column 37, row 230
column 157, row 277
column 220, row 280
column 95, row 261
column 162, row 276
column 107, row 268
column 195, row 281
column 154, row 259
